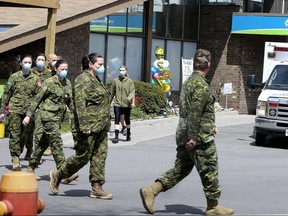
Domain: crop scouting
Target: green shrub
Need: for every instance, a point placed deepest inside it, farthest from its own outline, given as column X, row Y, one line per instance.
column 151, row 99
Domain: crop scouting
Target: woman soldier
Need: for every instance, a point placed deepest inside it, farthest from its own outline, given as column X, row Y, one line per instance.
column 52, row 101
column 43, row 73
column 91, row 124
column 19, row 91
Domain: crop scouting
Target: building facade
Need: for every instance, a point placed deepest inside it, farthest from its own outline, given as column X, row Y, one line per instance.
column 129, row 36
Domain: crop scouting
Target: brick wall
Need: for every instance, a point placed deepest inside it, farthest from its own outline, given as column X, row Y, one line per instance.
column 71, row 44
column 234, row 57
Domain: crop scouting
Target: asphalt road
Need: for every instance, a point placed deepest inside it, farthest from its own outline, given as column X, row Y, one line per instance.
column 253, row 179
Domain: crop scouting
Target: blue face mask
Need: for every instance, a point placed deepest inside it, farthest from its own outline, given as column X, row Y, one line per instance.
column 100, row 70
column 40, row 64
column 26, row 67
column 62, row 74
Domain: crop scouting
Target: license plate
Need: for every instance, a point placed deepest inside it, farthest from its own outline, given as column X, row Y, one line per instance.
column 286, row 132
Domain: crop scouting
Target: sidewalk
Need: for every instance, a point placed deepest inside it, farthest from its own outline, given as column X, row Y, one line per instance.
column 144, row 130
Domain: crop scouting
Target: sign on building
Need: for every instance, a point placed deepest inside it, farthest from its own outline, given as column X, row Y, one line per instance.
column 187, row 68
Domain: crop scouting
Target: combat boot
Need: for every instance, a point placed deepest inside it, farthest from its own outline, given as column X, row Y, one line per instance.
column 116, row 139
column 214, row 209
column 48, row 152
column 128, row 136
column 55, row 180
column 28, row 154
column 16, row 164
column 70, row 179
column 30, row 169
column 98, row 192
column 148, row 195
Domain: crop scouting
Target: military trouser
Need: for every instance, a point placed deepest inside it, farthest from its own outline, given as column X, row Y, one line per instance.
column 47, row 132
column 93, row 148
column 17, row 133
column 28, row 137
column 204, row 158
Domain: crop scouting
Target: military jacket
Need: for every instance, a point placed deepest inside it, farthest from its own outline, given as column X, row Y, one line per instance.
column 124, row 91
column 91, row 102
column 197, row 116
column 45, row 74
column 52, row 99
column 19, row 92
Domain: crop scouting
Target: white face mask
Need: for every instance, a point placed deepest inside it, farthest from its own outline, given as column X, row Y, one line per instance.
column 53, row 64
column 122, row 73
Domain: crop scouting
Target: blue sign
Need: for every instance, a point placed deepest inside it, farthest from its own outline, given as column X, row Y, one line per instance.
column 259, row 24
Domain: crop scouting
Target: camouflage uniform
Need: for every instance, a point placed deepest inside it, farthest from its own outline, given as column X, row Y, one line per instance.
column 18, row 94
column 92, row 112
column 51, row 100
column 28, row 138
column 197, row 122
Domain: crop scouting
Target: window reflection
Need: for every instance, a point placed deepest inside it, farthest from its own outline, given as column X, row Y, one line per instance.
column 117, row 22
column 99, row 25
column 176, row 19
column 115, row 56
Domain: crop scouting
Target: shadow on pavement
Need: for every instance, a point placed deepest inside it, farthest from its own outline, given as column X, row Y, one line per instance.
column 182, row 209
column 274, row 142
column 77, row 193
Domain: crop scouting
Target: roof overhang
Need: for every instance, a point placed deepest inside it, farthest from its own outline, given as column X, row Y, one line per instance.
column 72, row 13
column 31, row 3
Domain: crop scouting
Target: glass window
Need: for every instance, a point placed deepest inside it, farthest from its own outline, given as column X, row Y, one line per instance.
column 135, row 23
column 158, row 19
column 174, row 57
column 176, row 19
column 97, row 43
column 117, row 22
column 191, row 16
column 134, row 57
column 135, row 19
column 99, row 25
column 115, row 56
column 6, row 27
column 189, row 50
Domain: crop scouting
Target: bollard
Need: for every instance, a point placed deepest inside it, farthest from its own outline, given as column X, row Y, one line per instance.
column 19, row 194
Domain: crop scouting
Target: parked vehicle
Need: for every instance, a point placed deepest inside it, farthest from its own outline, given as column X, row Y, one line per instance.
column 272, row 105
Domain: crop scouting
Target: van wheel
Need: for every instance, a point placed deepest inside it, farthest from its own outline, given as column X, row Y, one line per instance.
column 260, row 139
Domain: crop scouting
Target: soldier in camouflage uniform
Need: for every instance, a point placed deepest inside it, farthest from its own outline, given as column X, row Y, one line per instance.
column 51, row 101
column 44, row 74
column 195, row 141
column 19, row 91
column 91, row 124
